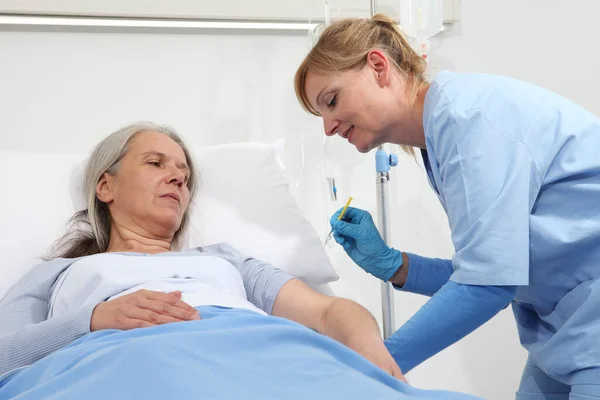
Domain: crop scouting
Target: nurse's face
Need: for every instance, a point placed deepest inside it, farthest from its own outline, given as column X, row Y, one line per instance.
column 358, row 105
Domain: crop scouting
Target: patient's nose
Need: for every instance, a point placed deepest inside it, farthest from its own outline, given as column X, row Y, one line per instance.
column 177, row 177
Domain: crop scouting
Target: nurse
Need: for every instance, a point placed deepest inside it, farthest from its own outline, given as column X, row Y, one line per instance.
column 517, row 170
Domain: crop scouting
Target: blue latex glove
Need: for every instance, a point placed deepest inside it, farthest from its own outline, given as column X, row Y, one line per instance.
column 361, row 240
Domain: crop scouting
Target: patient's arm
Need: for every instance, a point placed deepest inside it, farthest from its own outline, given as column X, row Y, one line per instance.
column 341, row 319
column 25, row 333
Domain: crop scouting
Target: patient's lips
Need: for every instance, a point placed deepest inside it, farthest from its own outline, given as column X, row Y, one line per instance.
column 172, row 195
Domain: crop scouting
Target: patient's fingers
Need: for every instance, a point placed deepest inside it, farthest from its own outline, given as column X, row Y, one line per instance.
column 170, row 298
column 396, row 373
column 141, row 309
column 131, row 323
column 168, row 310
column 152, row 317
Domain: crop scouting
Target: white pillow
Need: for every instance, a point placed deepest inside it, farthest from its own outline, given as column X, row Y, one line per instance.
column 34, row 208
column 245, row 201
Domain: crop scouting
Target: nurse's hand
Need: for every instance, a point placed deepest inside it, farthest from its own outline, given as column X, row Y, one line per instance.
column 361, row 240
column 141, row 309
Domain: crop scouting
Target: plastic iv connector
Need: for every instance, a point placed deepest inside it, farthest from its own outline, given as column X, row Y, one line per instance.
column 383, row 161
column 332, row 188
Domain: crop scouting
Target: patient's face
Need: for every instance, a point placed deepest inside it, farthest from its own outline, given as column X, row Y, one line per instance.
column 149, row 192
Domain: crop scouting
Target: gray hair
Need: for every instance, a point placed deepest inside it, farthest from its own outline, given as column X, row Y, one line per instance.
column 90, row 229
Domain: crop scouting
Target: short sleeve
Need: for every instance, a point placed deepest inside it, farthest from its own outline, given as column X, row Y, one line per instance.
column 487, row 178
column 262, row 281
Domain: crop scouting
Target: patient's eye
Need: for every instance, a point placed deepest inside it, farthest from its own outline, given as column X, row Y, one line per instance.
column 155, row 163
column 332, row 102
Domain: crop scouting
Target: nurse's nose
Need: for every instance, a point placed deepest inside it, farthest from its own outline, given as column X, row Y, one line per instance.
column 331, row 126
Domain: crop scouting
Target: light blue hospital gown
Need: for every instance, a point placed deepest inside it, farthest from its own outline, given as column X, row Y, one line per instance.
column 517, row 169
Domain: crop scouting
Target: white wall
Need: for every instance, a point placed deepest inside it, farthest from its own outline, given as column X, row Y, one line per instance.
column 64, row 91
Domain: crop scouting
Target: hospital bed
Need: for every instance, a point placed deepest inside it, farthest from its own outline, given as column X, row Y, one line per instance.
column 265, row 223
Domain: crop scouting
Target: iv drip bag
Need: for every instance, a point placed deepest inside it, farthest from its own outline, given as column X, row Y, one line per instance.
column 421, row 19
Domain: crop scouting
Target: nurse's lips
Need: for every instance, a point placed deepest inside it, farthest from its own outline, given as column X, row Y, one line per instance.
column 346, row 134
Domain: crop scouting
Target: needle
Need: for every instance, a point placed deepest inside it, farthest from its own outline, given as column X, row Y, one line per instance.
column 339, row 219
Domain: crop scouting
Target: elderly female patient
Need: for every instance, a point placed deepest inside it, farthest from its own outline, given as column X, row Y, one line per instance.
column 121, row 314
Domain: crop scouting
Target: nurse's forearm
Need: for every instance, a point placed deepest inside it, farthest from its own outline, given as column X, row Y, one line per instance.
column 451, row 314
column 422, row 275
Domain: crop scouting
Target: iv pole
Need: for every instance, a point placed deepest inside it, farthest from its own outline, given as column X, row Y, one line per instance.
column 383, row 162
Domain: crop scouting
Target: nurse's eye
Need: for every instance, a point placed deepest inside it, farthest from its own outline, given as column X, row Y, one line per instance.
column 332, row 102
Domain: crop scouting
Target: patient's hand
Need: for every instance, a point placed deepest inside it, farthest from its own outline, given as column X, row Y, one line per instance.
column 141, row 309
column 340, row 319
column 373, row 349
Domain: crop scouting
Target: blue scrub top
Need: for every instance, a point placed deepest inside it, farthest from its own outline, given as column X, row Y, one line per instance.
column 517, row 170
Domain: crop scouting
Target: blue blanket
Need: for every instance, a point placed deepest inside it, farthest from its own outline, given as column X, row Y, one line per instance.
column 229, row 354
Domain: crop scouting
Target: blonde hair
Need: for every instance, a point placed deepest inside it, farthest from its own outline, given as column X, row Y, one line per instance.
column 345, row 44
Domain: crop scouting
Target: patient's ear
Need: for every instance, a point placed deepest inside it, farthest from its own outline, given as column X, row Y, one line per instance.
column 104, row 188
